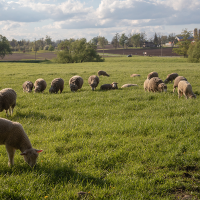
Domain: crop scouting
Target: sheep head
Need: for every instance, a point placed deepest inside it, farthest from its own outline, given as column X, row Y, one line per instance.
column 30, row 156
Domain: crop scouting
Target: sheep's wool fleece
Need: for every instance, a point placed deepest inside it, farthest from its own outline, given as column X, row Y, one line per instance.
column 13, row 134
column 7, row 98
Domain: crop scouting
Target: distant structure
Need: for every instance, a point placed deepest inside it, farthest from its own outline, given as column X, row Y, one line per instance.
column 196, row 33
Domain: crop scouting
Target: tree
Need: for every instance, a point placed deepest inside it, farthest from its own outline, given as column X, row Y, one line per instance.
column 194, row 52
column 115, row 40
column 172, row 39
column 155, row 40
column 142, row 38
column 135, row 40
column 184, row 43
column 102, row 41
column 77, row 51
column 4, row 47
column 95, row 40
column 48, row 40
column 51, row 48
column 123, row 40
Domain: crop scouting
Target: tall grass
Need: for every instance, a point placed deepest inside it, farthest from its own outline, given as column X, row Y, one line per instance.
column 118, row 144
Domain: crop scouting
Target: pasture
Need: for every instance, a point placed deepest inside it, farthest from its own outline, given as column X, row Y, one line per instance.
column 117, row 144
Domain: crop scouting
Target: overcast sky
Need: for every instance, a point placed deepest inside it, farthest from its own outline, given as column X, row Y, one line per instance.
column 65, row 19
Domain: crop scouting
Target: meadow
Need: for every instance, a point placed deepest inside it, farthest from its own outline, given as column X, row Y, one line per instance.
column 118, row 144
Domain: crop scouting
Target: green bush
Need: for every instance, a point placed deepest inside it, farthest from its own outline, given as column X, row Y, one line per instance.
column 194, row 52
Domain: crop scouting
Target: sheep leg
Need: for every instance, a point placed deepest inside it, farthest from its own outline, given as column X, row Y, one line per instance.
column 11, row 153
column 10, row 111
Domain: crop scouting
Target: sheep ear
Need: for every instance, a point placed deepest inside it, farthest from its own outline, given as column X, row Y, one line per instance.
column 38, row 151
column 22, row 154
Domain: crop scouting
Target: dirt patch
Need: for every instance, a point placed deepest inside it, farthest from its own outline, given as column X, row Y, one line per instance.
column 140, row 52
column 28, row 56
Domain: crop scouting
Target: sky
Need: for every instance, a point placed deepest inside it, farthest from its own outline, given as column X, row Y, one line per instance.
column 65, row 19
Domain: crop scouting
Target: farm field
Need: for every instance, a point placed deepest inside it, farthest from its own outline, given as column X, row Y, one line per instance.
column 117, row 144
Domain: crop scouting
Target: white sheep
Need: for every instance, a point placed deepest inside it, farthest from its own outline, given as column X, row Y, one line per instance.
column 27, row 86
column 13, row 136
column 128, row 85
column 135, row 75
column 93, row 81
column 146, row 85
column 56, row 85
column 156, row 84
column 7, row 100
column 170, row 77
column 177, row 80
column 40, row 85
column 75, row 83
column 109, row 86
column 102, row 73
column 152, row 74
column 184, row 87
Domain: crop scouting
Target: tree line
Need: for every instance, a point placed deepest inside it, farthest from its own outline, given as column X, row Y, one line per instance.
column 81, row 51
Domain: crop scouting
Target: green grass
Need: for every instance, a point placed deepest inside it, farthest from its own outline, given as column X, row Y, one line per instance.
column 119, row 144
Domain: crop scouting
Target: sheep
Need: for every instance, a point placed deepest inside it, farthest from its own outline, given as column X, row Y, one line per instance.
column 134, row 75
column 13, row 136
column 156, row 84
column 56, row 85
column 170, row 77
column 177, row 80
column 152, row 74
column 7, row 100
column 146, row 85
column 93, row 81
column 109, row 86
column 27, row 86
column 75, row 83
column 103, row 73
column 40, row 85
column 184, row 87
column 128, row 85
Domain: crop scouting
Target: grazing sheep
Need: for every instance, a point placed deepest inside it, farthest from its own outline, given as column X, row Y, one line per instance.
column 13, row 136
column 93, row 81
column 152, row 74
column 27, row 86
column 128, row 85
column 7, row 100
column 103, row 73
column 177, row 80
column 170, row 77
column 40, row 85
column 75, row 83
column 156, row 84
column 109, row 86
column 56, row 85
column 185, row 88
column 134, row 75
column 146, row 85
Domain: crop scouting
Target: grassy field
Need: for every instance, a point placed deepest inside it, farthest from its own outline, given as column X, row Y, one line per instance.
column 119, row 144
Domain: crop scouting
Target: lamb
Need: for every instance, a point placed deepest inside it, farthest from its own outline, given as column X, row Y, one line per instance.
column 75, row 83
column 156, row 84
column 170, row 77
column 27, row 86
column 40, row 85
column 13, row 136
column 134, row 75
column 93, row 81
column 177, row 80
column 128, row 85
column 103, row 73
column 7, row 100
column 184, row 87
column 151, row 75
column 146, row 85
column 109, row 86
column 56, row 85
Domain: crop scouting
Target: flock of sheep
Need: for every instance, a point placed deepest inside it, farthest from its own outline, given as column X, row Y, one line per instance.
column 12, row 134
column 154, row 84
